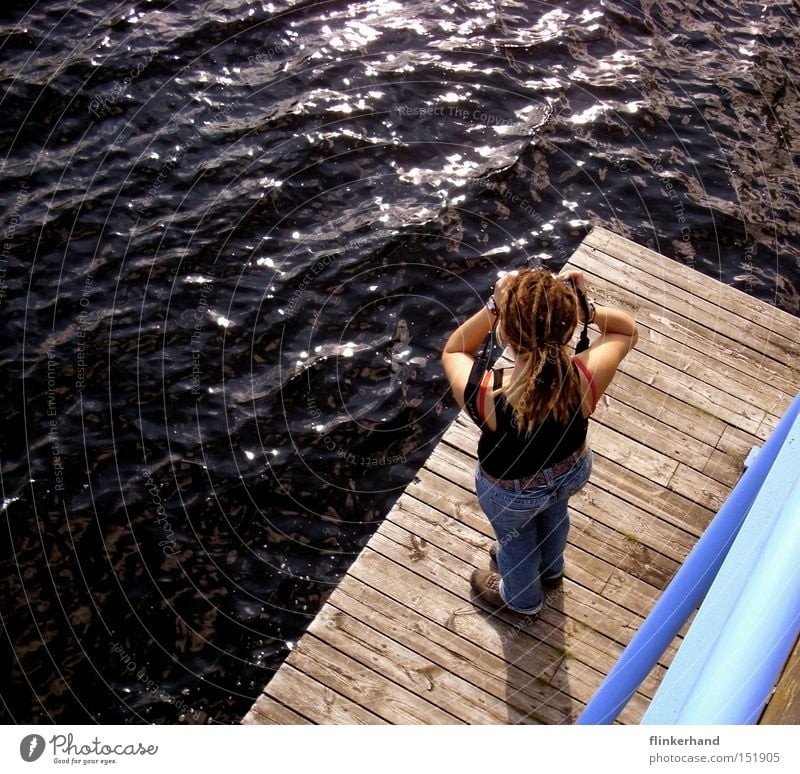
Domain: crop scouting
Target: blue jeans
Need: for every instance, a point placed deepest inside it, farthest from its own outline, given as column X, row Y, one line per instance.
column 531, row 527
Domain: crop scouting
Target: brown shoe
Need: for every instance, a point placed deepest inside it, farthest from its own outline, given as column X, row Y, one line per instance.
column 549, row 583
column 486, row 586
column 553, row 582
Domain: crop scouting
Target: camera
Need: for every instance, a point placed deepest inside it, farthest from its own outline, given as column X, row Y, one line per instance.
column 578, row 292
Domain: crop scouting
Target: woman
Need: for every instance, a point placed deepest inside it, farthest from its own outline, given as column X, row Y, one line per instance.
column 532, row 454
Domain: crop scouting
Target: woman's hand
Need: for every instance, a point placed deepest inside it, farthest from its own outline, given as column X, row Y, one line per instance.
column 500, row 285
column 575, row 276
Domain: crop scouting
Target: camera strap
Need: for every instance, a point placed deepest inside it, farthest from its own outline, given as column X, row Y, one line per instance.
column 583, row 340
column 476, row 385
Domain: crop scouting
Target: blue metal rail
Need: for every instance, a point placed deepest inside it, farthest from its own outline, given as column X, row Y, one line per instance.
column 746, row 566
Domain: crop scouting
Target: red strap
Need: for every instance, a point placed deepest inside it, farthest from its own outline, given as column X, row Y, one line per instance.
column 482, row 393
column 585, row 372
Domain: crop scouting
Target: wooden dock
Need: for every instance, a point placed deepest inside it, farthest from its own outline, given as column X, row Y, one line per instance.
column 399, row 641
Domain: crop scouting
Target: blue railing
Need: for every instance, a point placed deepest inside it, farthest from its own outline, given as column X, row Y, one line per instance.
column 747, row 566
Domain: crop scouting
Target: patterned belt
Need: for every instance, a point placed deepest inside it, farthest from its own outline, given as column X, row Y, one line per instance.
column 559, row 469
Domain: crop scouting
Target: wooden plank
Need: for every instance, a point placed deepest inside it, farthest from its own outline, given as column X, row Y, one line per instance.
column 724, row 467
column 711, row 319
column 768, row 424
column 665, row 408
column 623, row 593
column 625, row 551
column 666, row 440
column 605, row 627
column 315, row 700
column 645, row 537
column 667, row 505
column 749, row 389
column 695, row 392
column 668, row 429
column 707, row 491
column 409, row 669
column 364, row 686
column 737, row 443
column 481, row 669
column 267, row 711
column 540, row 654
column 633, row 492
column 763, row 386
column 458, row 539
column 783, row 708
column 534, row 659
column 724, row 299
column 677, row 335
column 705, row 320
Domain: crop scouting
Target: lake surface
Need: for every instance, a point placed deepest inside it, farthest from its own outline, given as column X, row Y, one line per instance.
column 235, row 237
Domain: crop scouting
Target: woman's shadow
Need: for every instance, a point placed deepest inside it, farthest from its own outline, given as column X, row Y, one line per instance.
column 537, row 661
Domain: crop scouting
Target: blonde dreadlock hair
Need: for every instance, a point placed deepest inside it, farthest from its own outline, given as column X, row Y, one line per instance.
column 538, row 314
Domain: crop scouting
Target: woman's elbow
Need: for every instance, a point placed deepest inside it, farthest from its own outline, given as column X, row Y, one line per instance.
column 446, row 357
column 451, row 346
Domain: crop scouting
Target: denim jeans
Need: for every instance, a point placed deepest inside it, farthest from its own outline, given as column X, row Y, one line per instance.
column 531, row 527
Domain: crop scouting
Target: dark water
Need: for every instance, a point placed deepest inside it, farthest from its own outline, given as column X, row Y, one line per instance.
column 235, row 235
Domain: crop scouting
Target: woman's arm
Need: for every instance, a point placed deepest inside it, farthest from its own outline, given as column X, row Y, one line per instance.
column 618, row 336
column 458, row 353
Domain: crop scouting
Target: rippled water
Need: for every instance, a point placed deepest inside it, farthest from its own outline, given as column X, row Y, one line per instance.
column 236, row 235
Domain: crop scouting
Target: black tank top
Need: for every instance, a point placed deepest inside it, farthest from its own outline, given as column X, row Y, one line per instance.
column 507, row 453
